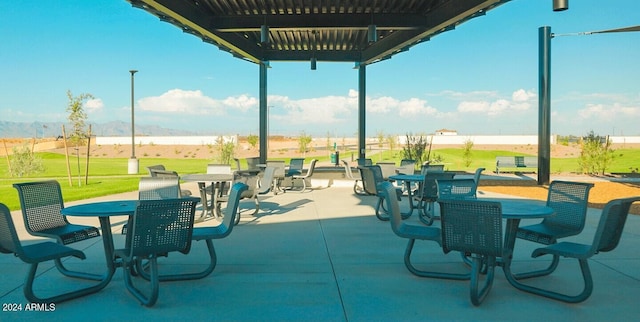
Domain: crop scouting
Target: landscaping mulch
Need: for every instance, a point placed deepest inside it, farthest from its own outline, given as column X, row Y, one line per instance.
column 599, row 195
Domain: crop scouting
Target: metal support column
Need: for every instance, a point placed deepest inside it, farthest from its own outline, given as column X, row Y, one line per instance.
column 544, row 105
column 362, row 94
column 264, row 114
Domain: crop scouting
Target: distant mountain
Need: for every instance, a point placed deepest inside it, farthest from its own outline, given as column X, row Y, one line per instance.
column 54, row 129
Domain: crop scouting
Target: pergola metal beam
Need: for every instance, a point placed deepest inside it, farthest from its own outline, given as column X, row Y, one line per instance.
column 340, row 26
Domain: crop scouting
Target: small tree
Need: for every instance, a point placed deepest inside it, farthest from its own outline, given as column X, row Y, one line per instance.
column 466, row 153
column 23, row 162
column 225, row 149
column 380, row 138
column 303, row 142
column 253, row 140
column 77, row 118
column 596, row 154
column 415, row 148
column 392, row 140
column 328, row 146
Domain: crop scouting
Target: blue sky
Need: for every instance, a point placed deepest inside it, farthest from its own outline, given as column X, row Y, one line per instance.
column 481, row 78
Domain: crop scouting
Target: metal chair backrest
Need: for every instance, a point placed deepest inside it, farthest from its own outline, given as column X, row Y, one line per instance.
column 155, row 167
column 368, row 179
column 213, row 168
column 252, row 163
column 611, row 225
column 279, row 168
column 295, row 166
column 237, row 161
column 476, row 175
column 9, row 241
column 231, row 211
column 430, row 168
column 312, row 168
column 388, row 169
column 155, row 188
column 163, row 173
column 365, row 162
column 264, row 185
column 430, row 186
column 471, row 226
column 569, row 200
column 347, row 170
column 456, row 189
column 388, row 192
column 407, row 166
column 41, row 203
column 161, row 226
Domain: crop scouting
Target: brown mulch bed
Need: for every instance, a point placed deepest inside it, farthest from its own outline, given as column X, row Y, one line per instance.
column 599, row 195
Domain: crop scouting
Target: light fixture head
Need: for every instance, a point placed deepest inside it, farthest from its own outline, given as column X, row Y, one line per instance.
column 264, row 34
column 372, row 33
column 560, row 5
column 314, row 63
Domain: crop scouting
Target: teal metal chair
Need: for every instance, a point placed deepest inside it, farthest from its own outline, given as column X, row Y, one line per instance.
column 41, row 203
column 35, row 254
column 428, row 195
column 304, row 177
column 357, row 182
column 371, row 180
column 474, row 228
column 607, row 236
column 569, row 201
column 158, row 228
column 413, row 232
column 208, row 234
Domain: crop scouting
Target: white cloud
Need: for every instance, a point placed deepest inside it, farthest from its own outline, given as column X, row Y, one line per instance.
column 522, row 96
column 608, row 112
column 94, row 105
column 473, row 107
column 494, row 106
column 414, row 107
column 242, row 102
column 195, row 102
column 381, row 105
column 183, row 101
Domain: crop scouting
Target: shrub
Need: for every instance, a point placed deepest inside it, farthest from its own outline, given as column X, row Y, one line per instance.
column 466, row 153
column 596, row 154
column 23, row 162
column 415, row 148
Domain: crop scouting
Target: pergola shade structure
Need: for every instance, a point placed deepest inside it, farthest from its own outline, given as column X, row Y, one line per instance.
column 359, row 31
column 326, row 30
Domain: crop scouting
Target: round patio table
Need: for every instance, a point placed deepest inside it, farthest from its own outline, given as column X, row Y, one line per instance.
column 408, row 179
column 514, row 210
column 104, row 210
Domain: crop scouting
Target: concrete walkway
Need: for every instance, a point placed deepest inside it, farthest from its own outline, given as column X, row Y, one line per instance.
column 323, row 256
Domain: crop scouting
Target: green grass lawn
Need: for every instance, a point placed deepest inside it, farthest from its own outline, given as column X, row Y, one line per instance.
column 109, row 175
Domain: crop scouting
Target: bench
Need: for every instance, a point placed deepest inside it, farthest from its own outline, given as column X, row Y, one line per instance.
column 516, row 162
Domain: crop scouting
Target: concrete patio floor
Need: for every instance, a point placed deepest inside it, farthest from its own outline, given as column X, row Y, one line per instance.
column 323, row 256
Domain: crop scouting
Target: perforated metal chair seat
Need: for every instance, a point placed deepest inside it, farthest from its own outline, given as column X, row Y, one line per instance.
column 37, row 253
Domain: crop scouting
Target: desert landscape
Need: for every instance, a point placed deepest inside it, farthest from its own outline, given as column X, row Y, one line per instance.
column 282, row 147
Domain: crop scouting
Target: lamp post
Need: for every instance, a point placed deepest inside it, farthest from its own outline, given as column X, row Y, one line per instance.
column 133, row 162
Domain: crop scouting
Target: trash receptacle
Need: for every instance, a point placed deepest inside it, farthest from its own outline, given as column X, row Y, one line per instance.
column 334, row 158
column 337, row 161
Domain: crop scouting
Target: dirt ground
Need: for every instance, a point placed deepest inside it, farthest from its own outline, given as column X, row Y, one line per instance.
column 599, row 195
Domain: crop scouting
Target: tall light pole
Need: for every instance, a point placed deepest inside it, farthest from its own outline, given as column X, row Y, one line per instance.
column 133, row 162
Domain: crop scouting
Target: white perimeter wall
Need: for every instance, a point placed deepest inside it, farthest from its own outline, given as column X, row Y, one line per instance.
column 164, row 140
column 437, row 139
column 625, row 139
column 481, row 139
